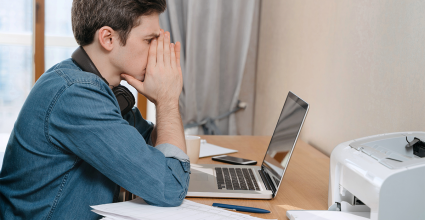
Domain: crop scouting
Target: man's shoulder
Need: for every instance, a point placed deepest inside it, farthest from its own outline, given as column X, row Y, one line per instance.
column 71, row 74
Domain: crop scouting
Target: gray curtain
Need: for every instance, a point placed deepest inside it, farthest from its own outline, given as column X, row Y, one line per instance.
column 216, row 36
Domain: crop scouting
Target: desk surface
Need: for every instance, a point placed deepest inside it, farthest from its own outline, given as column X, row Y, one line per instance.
column 304, row 186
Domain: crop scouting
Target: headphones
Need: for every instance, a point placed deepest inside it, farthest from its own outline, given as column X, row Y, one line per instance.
column 124, row 97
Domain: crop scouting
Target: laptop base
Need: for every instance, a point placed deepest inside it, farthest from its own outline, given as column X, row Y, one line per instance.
column 203, row 183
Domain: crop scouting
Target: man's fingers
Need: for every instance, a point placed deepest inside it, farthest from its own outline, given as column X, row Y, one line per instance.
column 160, row 49
column 173, row 57
column 152, row 53
column 167, row 61
column 138, row 85
column 177, row 48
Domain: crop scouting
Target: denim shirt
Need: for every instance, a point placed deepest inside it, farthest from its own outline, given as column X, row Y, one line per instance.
column 70, row 148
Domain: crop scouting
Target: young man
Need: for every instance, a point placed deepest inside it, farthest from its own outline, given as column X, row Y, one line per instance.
column 71, row 148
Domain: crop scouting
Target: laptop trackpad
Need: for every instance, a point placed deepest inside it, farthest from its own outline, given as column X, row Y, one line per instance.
column 199, row 176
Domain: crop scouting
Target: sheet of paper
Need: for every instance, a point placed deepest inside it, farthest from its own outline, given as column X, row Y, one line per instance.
column 138, row 209
column 208, row 150
column 322, row 215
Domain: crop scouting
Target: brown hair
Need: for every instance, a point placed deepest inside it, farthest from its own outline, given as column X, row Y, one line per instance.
column 88, row 16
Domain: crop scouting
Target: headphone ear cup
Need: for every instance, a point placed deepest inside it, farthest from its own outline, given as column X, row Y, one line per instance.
column 125, row 99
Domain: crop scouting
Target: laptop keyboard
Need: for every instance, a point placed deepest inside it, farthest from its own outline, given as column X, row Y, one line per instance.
column 236, row 179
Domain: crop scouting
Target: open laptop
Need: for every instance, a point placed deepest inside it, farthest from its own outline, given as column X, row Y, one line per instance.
column 254, row 182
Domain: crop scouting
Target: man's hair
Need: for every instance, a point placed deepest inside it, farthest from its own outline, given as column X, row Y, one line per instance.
column 88, row 16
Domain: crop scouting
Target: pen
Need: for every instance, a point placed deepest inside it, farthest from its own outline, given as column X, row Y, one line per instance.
column 240, row 208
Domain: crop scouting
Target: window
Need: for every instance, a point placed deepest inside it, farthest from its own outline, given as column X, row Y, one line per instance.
column 16, row 52
column 16, row 21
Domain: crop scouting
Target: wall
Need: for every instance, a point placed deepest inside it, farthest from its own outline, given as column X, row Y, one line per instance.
column 359, row 64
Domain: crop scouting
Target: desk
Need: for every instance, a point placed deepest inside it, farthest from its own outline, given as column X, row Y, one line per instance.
column 304, row 186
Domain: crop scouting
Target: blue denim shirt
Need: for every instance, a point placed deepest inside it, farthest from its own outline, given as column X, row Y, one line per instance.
column 70, row 148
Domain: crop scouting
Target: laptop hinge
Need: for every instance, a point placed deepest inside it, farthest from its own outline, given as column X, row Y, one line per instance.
column 267, row 181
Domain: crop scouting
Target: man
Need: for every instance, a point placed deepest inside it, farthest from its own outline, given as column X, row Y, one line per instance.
column 71, row 148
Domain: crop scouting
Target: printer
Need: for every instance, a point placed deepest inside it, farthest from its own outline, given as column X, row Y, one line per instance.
column 380, row 177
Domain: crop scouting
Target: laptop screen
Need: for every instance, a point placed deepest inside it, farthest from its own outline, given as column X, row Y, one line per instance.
column 284, row 138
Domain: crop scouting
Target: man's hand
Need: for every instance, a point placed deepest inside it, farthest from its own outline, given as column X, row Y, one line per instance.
column 162, row 85
column 163, row 80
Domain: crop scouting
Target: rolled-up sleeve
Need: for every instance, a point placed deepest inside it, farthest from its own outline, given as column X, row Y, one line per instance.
column 85, row 120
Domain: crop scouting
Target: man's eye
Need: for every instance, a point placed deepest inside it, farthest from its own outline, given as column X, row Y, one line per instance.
column 149, row 40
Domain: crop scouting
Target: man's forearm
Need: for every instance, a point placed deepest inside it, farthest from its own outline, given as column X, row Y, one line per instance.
column 169, row 126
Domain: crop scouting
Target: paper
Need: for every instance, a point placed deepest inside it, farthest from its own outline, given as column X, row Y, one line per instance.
column 208, row 150
column 323, row 215
column 138, row 209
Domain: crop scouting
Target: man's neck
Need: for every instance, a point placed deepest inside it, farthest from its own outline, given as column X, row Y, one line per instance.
column 102, row 63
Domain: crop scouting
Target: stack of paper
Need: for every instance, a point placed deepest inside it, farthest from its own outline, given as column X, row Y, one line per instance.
column 138, row 209
column 208, row 150
column 325, row 215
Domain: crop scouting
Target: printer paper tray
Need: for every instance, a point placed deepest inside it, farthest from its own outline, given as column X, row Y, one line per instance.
column 325, row 215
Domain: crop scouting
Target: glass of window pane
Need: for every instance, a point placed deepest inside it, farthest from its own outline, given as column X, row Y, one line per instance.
column 60, row 42
column 15, row 60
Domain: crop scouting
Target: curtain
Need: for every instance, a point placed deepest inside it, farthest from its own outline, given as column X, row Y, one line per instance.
column 216, row 36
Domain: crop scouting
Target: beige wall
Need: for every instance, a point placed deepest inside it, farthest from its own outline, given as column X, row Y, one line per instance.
column 359, row 64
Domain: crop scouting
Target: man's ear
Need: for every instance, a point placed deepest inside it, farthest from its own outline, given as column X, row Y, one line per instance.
column 107, row 37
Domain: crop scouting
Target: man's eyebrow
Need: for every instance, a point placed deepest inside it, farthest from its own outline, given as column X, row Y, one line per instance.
column 153, row 35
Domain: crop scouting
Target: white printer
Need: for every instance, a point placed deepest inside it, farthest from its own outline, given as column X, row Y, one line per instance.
column 378, row 177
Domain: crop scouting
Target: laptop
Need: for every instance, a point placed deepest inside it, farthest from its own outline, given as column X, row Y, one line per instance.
column 254, row 182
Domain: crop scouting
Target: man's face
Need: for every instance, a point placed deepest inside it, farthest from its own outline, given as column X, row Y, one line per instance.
column 132, row 58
